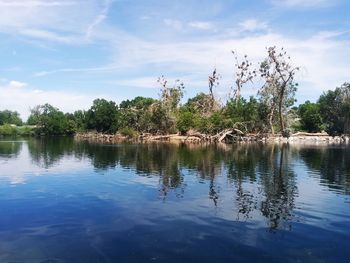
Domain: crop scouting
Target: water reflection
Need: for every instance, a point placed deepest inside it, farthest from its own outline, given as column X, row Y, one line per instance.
column 261, row 179
column 10, row 149
column 67, row 201
column 333, row 164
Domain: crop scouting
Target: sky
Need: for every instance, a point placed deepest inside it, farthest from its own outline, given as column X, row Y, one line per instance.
column 70, row 52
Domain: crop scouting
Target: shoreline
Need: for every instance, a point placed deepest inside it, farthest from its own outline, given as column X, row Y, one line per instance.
column 296, row 138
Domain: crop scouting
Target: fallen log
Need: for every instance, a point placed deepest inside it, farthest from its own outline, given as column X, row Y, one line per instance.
column 309, row 134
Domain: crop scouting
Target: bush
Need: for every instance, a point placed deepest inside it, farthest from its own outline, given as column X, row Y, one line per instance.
column 185, row 121
column 8, row 130
column 310, row 117
column 128, row 132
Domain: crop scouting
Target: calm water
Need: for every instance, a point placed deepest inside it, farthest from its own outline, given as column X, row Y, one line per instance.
column 62, row 201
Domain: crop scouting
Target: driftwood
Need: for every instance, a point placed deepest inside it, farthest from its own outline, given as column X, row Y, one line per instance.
column 309, row 134
column 221, row 136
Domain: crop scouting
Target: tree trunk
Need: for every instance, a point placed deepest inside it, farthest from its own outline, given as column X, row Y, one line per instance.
column 270, row 122
column 238, row 92
column 347, row 124
column 280, row 105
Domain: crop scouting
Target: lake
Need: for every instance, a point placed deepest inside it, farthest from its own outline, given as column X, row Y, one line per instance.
column 68, row 201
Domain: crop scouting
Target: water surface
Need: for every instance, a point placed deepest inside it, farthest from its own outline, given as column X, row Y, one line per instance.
column 66, row 201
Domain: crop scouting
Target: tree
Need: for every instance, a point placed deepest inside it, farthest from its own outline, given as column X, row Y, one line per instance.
column 135, row 114
column 10, row 117
column 279, row 89
column 243, row 114
column 185, row 121
column 80, row 118
column 164, row 111
column 243, row 74
column 170, row 96
column 103, row 116
column 213, row 82
column 345, row 102
column 310, row 117
column 201, row 104
column 51, row 121
column 335, row 109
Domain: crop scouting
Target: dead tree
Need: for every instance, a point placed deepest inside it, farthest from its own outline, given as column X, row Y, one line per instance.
column 243, row 74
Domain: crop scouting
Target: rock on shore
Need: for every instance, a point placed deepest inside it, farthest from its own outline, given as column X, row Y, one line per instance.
column 297, row 138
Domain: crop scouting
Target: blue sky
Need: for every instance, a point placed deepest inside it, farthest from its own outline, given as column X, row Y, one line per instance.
column 69, row 52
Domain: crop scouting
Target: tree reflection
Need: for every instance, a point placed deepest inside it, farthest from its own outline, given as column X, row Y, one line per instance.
column 260, row 177
column 10, row 149
column 332, row 164
column 264, row 181
column 278, row 182
column 46, row 152
column 241, row 168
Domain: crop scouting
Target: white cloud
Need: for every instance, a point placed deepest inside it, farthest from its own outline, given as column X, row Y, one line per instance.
column 50, row 36
column 321, row 58
column 304, row 3
column 99, row 18
column 175, row 24
column 201, row 25
column 16, row 84
column 253, row 25
column 61, row 21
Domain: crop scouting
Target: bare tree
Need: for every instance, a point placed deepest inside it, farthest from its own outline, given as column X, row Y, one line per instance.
column 213, row 82
column 243, row 74
column 279, row 88
column 171, row 96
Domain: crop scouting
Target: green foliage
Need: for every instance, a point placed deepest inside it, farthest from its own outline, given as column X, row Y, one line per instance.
column 201, row 104
column 185, row 121
column 51, row 121
column 128, row 132
column 310, row 117
column 243, row 114
column 162, row 120
column 25, row 131
column 329, row 109
column 79, row 117
column 8, row 130
column 10, row 117
column 12, row 130
column 103, row 116
column 136, row 113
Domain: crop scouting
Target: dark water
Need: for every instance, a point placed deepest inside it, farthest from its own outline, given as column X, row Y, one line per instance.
column 62, row 201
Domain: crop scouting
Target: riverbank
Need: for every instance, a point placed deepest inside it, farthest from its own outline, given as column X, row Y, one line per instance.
column 224, row 137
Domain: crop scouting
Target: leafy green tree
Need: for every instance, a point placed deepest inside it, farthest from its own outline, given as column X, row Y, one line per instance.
column 10, row 117
column 185, row 121
column 330, row 109
column 8, row 130
column 335, row 109
column 310, row 117
column 80, row 119
column 201, row 104
column 103, row 116
column 242, row 113
column 135, row 113
column 51, row 121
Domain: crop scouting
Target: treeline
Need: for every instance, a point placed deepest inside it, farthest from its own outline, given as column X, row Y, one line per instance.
column 270, row 111
column 331, row 112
